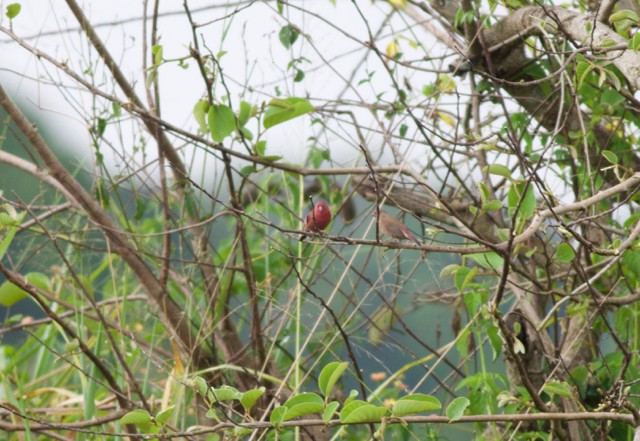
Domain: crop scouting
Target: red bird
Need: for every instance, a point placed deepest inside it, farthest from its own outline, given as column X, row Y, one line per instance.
column 393, row 227
column 317, row 219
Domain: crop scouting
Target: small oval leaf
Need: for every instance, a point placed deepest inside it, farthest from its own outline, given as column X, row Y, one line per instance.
column 280, row 110
column 330, row 411
column 415, row 403
column 140, row 418
column 249, row 398
column 330, row 375
column 303, row 404
column 163, row 416
column 359, row 411
column 558, row 388
column 277, row 416
column 565, row 253
column 499, row 170
column 456, row 408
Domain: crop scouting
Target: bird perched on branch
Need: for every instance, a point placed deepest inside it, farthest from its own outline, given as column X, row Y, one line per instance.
column 318, row 218
column 393, row 228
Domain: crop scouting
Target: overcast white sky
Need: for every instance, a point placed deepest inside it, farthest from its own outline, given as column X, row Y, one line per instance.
column 254, row 56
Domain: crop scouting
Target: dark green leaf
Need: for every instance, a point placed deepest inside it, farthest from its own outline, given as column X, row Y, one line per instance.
column 101, row 126
column 288, row 35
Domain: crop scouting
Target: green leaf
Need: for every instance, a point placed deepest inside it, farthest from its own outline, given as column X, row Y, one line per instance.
column 329, row 411
column 495, row 340
column 9, row 235
column 299, row 76
column 13, row 10
column 224, row 393
column 499, row 170
column 247, row 170
column 464, row 276
column 277, row 415
column 222, row 122
column 156, row 50
column 11, row 294
column 245, row 113
column 565, row 253
column 625, row 14
column 140, row 418
column 280, row 111
column 359, row 411
column 634, row 43
column 631, row 262
column 493, row 205
column 116, row 110
column 449, row 270
column 415, row 403
column 582, row 70
column 288, row 35
column 260, row 147
column 200, row 111
column 303, row 404
column 200, row 384
column 490, row 260
column 611, row 97
column 272, row 158
column 250, row 397
column 484, row 192
column 561, row 389
column 330, row 374
column 472, row 301
column 352, row 396
column 101, row 126
column 456, row 408
column 528, row 204
column 163, row 416
column 610, row 156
